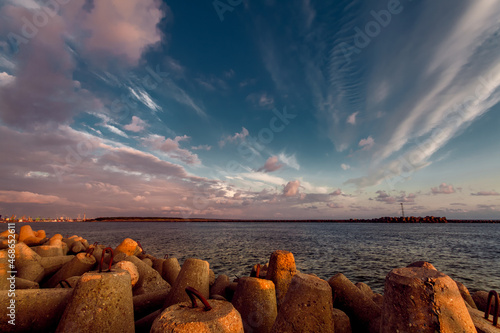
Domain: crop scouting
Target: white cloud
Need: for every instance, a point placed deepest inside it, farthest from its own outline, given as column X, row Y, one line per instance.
column 202, row 147
column 367, row 143
column 5, row 79
column 116, row 130
column 352, row 118
column 289, row 160
column 264, row 177
column 237, row 137
column 345, row 166
column 142, row 96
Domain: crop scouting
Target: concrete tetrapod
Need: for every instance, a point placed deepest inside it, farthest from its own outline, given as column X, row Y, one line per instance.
column 307, row 307
column 53, row 264
column 281, row 270
column 149, row 279
column 131, row 268
column 194, row 273
column 101, row 302
column 148, row 303
column 423, row 300
column 187, row 317
column 255, row 300
column 220, row 285
column 466, row 295
column 170, row 270
column 4, row 268
column 362, row 311
column 28, row 236
column 158, row 265
column 28, row 264
column 49, row 250
column 80, row 264
column 36, row 310
column 26, row 284
column 128, row 246
column 342, row 321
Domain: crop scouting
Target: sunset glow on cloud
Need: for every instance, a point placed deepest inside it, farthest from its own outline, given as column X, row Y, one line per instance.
column 271, row 110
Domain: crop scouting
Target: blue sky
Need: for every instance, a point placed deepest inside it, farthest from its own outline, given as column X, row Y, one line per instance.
column 250, row 109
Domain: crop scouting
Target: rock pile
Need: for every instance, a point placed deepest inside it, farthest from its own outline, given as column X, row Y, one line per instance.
column 65, row 284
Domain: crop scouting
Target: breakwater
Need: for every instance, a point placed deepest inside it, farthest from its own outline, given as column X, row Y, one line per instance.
column 469, row 253
column 84, row 285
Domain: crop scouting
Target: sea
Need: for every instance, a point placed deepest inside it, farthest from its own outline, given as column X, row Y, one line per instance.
column 363, row 252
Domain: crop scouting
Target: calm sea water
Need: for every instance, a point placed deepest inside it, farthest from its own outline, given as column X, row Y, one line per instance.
column 469, row 253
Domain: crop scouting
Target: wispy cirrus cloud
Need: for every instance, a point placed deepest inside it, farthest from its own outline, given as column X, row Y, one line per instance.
column 456, row 61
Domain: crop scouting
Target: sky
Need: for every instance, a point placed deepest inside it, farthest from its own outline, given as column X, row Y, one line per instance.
column 259, row 109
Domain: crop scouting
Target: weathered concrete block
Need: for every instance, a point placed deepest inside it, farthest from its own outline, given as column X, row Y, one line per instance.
column 281, row 270
column 423, row 300
column 181, row 317
column 36, row 310
column 194, row 274
column 255, row 300
column 362, row 311
column 307, row 307
column 101, row 302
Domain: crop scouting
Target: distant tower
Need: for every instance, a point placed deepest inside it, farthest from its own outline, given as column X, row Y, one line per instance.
column 402, row 210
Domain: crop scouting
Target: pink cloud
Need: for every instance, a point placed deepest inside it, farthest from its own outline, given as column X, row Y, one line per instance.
column 291, row 189
column 443, row 189
column 172, row 148
column 120, row 28
column 272, row 164
column 42, row 91
column 27, row 197
column 136, row 125
column 334, row 205
column 336, row 192
column 486, row 193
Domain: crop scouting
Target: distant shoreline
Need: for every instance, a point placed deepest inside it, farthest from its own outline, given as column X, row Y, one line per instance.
column 378, row 220
column 407, row 220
